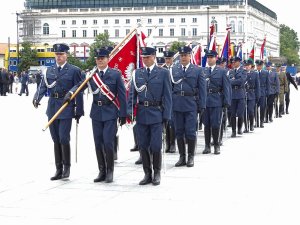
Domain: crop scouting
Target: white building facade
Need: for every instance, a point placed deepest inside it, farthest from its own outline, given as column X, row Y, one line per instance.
column 189, row 23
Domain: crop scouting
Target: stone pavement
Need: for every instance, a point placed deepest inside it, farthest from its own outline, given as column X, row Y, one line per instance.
column 255, row 179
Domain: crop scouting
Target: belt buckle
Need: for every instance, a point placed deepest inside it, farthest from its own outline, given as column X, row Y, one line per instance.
column 209, row 91
column 236, row 87
column 146, row 103
column 55, row 95
column 182, row 93
column 99, row 103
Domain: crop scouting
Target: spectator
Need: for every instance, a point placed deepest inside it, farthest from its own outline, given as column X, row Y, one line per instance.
column 11, row 81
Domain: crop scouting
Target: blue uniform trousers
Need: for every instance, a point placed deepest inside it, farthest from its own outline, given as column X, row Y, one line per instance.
column 60, row 131
column 104, row 134
column 262, row 107
column 150, row 136
column 185, row 124
column 250, row 107
column 237, row 108
column 212, row 117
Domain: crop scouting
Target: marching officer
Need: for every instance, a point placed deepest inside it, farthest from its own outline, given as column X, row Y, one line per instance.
column 287, row 94
column 237, row 78
column 218, row 96
column 151, row 90
column 282, row 90
column 252, row 94
column 170, row 131
column 264, row 90
column 24, row 83
column 105, row 112
column 273, row 91
column 59, row 79
column 189, row 98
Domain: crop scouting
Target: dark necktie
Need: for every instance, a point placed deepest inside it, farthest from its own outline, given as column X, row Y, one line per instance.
column 59, row 69
column 148, row 72
column 101, row 74
column 235, row 70
column 210, row 69
column 184, row 69
column 259, row 73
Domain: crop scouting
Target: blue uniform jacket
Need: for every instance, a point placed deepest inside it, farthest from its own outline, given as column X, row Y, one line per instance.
column 218, row 88
column 158, row 90
column 68, row 77
column 252, row 86
column 274, row 83
column 113, row 80
column 264, row 82
column 238, row 80
column 25, row 79
column 193, row 82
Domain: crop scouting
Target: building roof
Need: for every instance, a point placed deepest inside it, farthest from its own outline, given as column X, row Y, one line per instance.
column 55, row 4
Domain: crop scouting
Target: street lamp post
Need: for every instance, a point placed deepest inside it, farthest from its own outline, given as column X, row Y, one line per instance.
column 18, row 55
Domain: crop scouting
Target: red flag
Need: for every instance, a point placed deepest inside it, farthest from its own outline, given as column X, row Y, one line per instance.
column 262, row 49
column 251, row 55
column 196, row 55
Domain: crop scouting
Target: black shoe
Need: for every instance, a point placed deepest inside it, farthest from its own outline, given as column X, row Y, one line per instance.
column 66, row 155
column 156, row 178
column 181, row 161
column 233, row 135
column 66, row 172
column 157, row 156
column 182, row 155
column 101, row 177
column 246, row 131
column 217, row 150
column 139, row 161
column 109, row 176
column 58, row 175
column 206, row 150
column 190, row 161
column 271, row 120
column 191, row 152
column 262, row 126
column 134, row 149
column 172, row 148
column 110, row 166
column 146, row 180
column 251, row 128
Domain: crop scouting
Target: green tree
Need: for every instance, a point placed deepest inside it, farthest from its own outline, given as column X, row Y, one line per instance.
column 176, row 44
column 75, row 61
column 289, row 44
column 28, row 57
column 101, row 40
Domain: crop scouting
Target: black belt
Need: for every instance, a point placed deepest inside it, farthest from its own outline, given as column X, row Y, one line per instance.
column 148, row 103
column 211, row 91
column 183, row 93
column 236, row 87
column 57, row 95
column 103, row 102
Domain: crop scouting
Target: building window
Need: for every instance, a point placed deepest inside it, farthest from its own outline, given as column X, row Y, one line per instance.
column 138, row 20
column 117, row 34
column 149, row 21
column 182, row 20
column 149, row 32
column 171, row 20
column 172, row 32
column 160, row 49
column 46, row 29
column 194, row 31
column 105, row 31
column 42, row 63
column 95, row 33
column 160, row 32
column 84, row 33
column 63, row 33
column 182, row 31
column 73, row 22
column 194, row 20
column 95, row 22
column 127, row 21
column 63, row 22
column 105, row 21
column 240, row 27
column 117, row 21
column 73, row 33
column 232, row 23
column 83, row 22
column 127, row 31
column 160, row 20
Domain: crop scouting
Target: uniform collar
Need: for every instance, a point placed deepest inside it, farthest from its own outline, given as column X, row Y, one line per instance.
column 150, row 67
column 105, row 69
column 62, row 66
column 186, row 67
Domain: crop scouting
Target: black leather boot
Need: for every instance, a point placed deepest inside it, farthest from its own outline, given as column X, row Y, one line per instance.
column 167, row 140
column 135, row 148
column 287, row 107
column 251, row 118
column 233, row 127
column 109, row 166
column 101, row 165
column 156, row 168
column 207, row 137
column 116, row 147
column 139, row 161
column 240, row 125
column 58, row 162
column 146, row 167
column 191, row 152
column 66, row 153
column 182, row 155
column 172, row 140
column 271, row 113
column 215, row 134
column 281, row 110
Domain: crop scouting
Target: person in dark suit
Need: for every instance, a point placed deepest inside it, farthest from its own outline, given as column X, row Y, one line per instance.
column 59, row 79
column 104, row 113
column 151, row 91
column 170, row 131
column 218, row 97
column 24, row 83
column 189, row 99
column 253, row 94
column 287, row 94
column 38, row 78
column 237, row 77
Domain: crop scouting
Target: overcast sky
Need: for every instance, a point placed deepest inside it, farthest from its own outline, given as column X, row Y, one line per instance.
column 287, row 14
